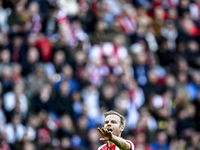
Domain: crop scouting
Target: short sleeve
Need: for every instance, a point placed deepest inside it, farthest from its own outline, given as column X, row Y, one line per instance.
column 131, row 144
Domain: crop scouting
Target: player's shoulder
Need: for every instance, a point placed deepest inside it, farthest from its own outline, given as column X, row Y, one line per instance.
column 131, row 144
column 103, row 147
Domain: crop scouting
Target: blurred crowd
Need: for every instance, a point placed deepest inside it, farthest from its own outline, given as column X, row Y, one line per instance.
column 64, row 63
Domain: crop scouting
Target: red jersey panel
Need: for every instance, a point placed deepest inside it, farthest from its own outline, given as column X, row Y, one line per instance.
column 106, row 147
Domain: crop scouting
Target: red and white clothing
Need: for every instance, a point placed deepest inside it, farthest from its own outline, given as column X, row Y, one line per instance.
column 97, row 73
column 114, row 147
column 127, row 23
column 65, row 28
column 108, row 49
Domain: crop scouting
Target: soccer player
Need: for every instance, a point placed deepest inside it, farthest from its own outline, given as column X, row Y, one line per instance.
column 111, row 132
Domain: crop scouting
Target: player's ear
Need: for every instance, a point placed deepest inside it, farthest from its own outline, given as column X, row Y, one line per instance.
column 122, row 128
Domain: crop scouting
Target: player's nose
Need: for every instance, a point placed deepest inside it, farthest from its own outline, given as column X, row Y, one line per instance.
column 109, row 124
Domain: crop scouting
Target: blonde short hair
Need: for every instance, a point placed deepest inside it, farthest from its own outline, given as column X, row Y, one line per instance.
column 111, row 112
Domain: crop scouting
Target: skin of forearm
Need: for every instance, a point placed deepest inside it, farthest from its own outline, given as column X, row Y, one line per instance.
column 120, row 143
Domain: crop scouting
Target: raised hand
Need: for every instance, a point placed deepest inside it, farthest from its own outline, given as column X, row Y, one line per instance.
column 106, row 135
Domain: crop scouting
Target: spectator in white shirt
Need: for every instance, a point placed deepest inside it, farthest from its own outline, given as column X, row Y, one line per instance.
column 15, row 130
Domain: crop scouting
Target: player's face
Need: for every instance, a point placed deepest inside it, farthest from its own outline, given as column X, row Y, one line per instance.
column 112, row 123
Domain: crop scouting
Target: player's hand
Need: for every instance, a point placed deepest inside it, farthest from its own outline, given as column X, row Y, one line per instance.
column 106, row 135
